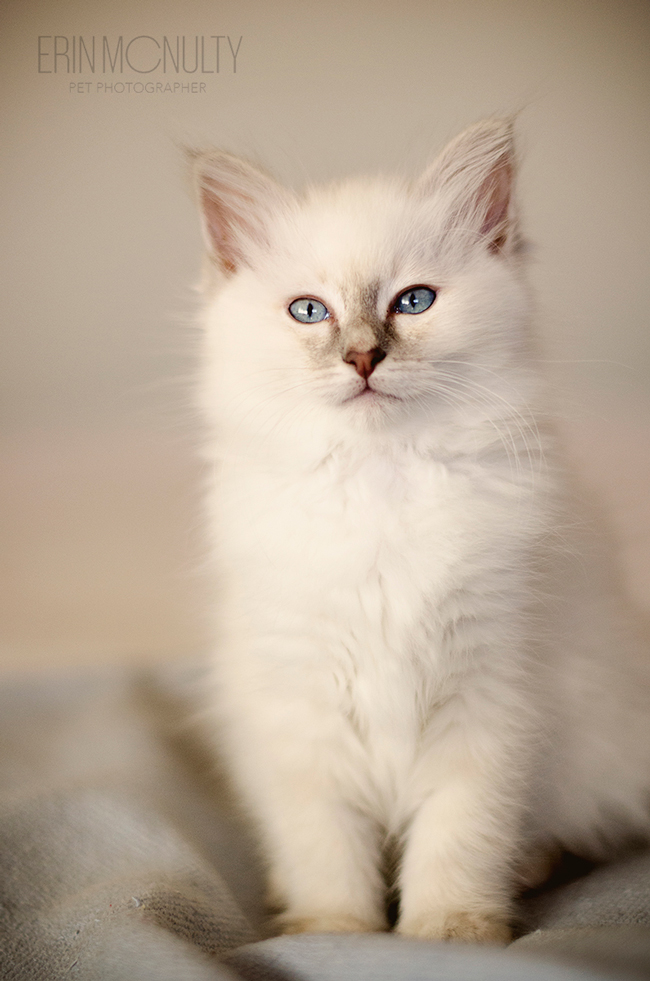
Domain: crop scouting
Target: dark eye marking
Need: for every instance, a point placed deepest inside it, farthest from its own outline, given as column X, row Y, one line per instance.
column 308, row 310
column 416, row 299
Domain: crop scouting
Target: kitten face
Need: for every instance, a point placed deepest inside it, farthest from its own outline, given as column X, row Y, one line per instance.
column 406, row 301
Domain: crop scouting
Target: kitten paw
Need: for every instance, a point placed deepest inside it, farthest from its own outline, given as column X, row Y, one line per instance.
column 536, row 868
column 325, row 923
column 459, row 925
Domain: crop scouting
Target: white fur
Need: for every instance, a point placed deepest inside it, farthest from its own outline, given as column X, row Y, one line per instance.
column 410, row 647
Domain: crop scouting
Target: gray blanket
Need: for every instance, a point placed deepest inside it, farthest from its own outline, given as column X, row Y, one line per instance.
column 122, row 857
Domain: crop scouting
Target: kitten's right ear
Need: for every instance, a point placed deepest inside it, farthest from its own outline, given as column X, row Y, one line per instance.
column 237, row 204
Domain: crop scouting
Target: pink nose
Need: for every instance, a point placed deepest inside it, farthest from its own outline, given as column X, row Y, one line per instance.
column 365, row 362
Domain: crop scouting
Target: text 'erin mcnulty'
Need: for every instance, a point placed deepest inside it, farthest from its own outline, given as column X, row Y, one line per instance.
column 199, row 54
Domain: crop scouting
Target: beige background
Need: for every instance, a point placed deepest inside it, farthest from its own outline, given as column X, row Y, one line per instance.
column 100, row 540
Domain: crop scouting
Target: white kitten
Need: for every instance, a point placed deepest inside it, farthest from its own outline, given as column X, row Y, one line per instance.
column 412, row 647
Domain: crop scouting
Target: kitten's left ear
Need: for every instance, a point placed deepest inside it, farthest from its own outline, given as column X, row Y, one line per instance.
column 238, row 203
column 474, row 178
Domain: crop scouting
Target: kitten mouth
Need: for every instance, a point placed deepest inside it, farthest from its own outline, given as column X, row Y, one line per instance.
column 371, row 394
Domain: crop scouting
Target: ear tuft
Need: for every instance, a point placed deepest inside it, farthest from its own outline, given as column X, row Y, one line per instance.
column 474, row 176
column 237, row 202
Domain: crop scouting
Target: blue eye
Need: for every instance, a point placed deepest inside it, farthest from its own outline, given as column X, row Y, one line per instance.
column 308, row 311
column 417, row 299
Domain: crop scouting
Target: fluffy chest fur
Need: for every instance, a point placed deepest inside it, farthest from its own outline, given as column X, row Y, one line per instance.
column 409, row 530
column 366, row 587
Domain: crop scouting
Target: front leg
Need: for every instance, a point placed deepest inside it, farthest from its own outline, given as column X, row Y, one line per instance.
column 324, row 863
column 323, row 854
column 457, row 871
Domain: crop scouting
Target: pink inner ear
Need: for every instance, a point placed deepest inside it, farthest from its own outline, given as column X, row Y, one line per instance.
column 219, row 220
column 239, row 203
column 224, row 211
column 495, row 192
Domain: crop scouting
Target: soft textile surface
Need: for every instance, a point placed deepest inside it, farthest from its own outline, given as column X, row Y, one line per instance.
column 122, row 857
